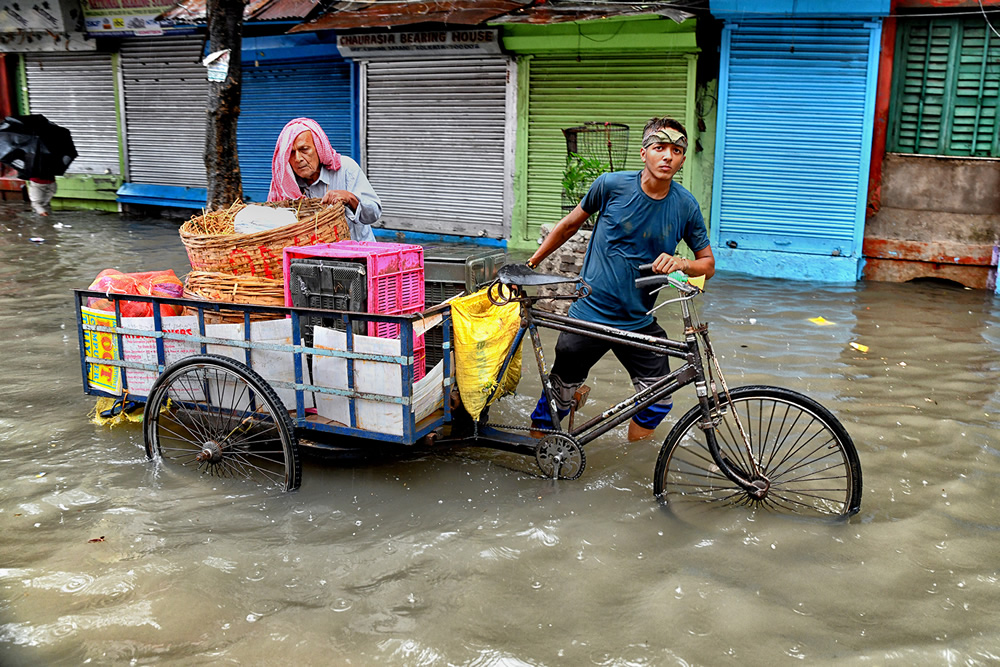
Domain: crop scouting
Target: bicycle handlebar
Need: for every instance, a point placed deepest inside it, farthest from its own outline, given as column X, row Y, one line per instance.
column 676, row 279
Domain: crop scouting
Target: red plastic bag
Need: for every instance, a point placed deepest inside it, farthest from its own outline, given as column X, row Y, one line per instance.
column 151, row 283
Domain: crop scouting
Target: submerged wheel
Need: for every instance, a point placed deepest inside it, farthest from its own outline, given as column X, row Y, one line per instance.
column 808, row 461
column 218, row 416
column 560, row 457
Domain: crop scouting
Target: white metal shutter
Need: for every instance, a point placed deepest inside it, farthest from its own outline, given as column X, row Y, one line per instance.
column 77, row 91
column 166, row 95
column 435, row 144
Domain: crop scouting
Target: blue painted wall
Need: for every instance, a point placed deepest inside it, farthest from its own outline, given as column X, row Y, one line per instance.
column 736, row 9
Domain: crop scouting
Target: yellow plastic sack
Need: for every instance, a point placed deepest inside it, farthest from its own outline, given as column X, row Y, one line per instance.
column 483, row 333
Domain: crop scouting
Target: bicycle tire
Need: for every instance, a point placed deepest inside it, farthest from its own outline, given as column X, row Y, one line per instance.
column 221, row 417
column 803, row 450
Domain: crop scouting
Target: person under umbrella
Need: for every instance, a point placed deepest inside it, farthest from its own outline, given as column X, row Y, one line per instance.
column 39, row 150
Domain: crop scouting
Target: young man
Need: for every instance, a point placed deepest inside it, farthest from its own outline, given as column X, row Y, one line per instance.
column 643, row 216
column 305, row 165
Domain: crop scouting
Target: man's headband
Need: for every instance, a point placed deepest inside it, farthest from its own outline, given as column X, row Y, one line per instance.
column 666, row 135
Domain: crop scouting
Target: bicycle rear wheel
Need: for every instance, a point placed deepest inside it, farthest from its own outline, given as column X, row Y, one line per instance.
column 218, row 416
column 801, row 448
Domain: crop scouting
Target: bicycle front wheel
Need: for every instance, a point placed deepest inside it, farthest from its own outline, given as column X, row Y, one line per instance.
column 800, row 448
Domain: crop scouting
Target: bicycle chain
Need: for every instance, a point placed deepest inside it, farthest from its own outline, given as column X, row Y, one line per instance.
column 508, row 427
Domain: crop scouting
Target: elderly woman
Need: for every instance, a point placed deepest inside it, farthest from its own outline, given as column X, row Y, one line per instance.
column 305, row 165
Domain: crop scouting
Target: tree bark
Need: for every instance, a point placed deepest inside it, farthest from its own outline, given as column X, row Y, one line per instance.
column 222, row 166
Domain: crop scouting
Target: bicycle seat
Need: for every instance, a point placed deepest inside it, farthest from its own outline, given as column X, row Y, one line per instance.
column 520, row 274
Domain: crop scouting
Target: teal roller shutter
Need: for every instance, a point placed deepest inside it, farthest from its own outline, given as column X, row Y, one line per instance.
column 565, row 91
column 946, row 88
column 275, row 93
column 794, row 136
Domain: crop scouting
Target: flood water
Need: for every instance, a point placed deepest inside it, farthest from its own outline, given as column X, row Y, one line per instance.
column 467, row 557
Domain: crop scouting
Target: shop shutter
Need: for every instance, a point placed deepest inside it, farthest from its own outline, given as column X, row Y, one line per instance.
column 166, row 96
column 946, row 88
column 567, row 91
column 275, row 93
column 435, row 144
column 77, row 91
column 794, row 137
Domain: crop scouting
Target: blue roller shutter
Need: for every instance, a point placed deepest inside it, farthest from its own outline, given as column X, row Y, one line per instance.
column 796, row 102
column 275, row 93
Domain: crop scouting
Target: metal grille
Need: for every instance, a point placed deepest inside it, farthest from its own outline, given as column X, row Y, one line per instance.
column 792, row 167
column 77, row 91
column 274, row 94
column 443, row 123
column 166, row 96
column 565, row 91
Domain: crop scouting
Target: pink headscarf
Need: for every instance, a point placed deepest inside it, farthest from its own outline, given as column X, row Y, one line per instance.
column 283, row 184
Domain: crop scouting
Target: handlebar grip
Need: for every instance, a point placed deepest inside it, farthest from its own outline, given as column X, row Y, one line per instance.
column 666, row 279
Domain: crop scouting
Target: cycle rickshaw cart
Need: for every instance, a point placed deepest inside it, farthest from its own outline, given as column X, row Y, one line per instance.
column 215, row 402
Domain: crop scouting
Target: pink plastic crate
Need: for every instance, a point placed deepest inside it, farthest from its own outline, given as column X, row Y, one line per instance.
column 395, row 274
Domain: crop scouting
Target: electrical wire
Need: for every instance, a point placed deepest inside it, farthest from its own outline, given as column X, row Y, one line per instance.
column 987, row 18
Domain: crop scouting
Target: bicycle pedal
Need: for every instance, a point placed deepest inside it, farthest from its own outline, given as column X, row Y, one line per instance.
column 580, row 396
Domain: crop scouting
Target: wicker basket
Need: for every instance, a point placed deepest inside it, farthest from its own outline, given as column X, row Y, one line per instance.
column 210, row 286
column 260, row 254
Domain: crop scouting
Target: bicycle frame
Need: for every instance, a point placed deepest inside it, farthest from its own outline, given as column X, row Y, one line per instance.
column 692, row 371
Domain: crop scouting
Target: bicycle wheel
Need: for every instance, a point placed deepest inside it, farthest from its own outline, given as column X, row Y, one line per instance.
column 801, row 448
column 218, row 416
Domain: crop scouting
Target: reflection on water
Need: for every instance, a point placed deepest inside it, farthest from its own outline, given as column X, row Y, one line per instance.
column 466, row 557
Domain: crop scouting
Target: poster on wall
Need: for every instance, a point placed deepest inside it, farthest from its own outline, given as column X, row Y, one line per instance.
column 125, row 18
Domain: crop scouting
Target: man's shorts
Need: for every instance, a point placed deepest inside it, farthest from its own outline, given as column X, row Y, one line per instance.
column 576, row 354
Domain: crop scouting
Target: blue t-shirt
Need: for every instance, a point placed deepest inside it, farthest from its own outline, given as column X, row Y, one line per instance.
column 633, row 229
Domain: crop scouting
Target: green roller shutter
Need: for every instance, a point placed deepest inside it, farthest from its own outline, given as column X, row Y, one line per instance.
column 567, row 91
column 946, row 88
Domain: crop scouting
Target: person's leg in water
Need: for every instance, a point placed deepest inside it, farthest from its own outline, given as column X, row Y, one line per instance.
column 645, row 369
column 575, row 356
column 40, row 194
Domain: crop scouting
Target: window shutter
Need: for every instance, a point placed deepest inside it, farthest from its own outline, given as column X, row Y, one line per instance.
column 946, row 89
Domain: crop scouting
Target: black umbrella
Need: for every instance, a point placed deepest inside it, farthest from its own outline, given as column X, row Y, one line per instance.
column 36, row 147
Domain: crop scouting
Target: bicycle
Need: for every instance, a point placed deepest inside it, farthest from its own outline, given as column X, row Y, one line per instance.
column 762, row 446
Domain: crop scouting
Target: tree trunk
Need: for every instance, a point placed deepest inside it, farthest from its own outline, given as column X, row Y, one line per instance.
column 222, row 166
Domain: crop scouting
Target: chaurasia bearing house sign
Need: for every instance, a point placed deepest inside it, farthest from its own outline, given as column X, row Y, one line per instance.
column 469, row 42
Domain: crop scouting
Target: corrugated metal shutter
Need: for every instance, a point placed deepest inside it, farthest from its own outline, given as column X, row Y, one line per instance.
column 567, row 91
column 946, row 88
column 435, row 132
column 796, row 102
column 274, row 94
column 77, row 91
column 166, row 95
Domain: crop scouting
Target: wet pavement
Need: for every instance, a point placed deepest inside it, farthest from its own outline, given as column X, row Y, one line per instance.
column 468, row 557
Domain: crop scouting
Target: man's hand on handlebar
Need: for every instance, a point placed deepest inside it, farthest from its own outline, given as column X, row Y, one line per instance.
column 667, row 263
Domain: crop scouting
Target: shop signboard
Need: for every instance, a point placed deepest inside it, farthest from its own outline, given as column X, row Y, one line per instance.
column 52, row 16
column 456, row 42
column 125, row 18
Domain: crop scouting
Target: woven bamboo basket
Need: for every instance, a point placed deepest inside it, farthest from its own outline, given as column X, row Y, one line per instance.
column 212, row 245
column 213, row 286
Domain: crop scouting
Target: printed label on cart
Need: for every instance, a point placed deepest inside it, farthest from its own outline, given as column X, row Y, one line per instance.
column 101, row 345
column 143, row 348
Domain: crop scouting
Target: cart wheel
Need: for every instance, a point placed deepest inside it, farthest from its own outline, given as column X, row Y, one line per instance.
column 560, row 457
column 217, row 415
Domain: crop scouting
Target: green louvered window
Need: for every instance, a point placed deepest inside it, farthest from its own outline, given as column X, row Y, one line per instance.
column 946, row 88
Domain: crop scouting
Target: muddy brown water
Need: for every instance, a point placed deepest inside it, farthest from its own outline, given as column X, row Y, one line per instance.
column 466, row 557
